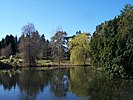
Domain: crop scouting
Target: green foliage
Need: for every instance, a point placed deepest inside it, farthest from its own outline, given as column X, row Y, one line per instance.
column 45, row 62
column 112, row 45
column 45, row 50
column 79, row 48
column 8, row 45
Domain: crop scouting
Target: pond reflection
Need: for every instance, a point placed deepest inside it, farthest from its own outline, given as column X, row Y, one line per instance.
column 59, row 82
column 78, row 83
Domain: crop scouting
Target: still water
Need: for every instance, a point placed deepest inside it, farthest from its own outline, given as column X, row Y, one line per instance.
column 76, row 83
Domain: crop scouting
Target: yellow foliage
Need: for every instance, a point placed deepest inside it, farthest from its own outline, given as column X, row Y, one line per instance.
column 79, row 49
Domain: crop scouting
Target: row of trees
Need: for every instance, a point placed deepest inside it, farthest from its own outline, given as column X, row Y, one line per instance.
column 31, row 46
column 8, row 46
column 110, row 48
column 59, row 48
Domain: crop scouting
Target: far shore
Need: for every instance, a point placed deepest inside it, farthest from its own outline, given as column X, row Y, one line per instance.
column 8, row 66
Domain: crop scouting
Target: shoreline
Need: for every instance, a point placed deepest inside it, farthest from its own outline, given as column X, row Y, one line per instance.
column 5, row 66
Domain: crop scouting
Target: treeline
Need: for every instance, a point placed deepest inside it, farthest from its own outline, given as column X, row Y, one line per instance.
column 31, row 47
column 109, row 49
column 8, row 45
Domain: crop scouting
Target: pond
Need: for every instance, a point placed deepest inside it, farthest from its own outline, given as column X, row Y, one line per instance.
column 76, row 83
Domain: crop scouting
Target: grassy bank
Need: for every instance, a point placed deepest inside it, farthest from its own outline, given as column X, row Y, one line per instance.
column 17, row 63
column 53, row 63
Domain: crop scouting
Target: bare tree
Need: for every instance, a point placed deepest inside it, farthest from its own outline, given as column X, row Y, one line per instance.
column 29, row 44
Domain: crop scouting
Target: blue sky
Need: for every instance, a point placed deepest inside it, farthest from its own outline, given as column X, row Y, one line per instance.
column 50, row 15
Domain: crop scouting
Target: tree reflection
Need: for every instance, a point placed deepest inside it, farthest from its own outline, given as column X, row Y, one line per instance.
column 60, row 82
column 32, row 82
column 110, row 89
column 97, row 86
column 81, row 81
column 8, row 79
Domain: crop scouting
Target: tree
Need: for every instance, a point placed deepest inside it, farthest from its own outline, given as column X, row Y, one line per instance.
column 7, row 51
column 79, row 49
column 48, row 50
column 58, row 44
column 45, row 49
column 29, row 45
column 112, row 45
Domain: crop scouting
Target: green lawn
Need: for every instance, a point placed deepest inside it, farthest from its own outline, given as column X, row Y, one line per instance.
column 45, row 62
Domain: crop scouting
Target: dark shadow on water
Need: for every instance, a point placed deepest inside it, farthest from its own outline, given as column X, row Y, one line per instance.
column 4, row 66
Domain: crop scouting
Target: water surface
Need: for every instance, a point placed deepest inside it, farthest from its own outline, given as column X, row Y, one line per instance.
column 76, row 83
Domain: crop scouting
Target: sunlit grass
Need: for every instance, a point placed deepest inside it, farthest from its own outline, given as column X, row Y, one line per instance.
column 18, row 62
column 45, row 62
